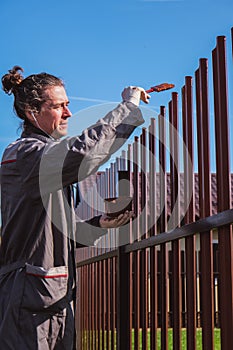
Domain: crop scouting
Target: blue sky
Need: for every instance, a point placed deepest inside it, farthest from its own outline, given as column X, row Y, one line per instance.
column 99, row 47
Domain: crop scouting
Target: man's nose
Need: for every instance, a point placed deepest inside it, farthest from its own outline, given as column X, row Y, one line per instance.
column 67, row 112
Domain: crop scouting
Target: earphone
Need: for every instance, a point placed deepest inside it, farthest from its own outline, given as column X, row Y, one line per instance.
column 33, row 116
column 39, row 127
column 36, row 121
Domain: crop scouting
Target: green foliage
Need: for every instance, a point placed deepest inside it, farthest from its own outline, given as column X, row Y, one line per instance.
column 91, row 339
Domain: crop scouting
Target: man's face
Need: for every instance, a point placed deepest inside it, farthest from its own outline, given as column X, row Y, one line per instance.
column 54, row 113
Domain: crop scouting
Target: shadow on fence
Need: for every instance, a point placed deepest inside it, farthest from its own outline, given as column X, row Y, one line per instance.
column 171, row 267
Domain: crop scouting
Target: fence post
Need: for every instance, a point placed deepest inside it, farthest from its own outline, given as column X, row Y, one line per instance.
column 124, row 322
column 136, row 235
column 232, row 40
column 163, row 228
column 190, row 242
column 206, row 245
column 223, row 191
column 175, row 212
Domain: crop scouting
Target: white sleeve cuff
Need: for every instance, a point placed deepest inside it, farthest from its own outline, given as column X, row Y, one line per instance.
column 131, row 94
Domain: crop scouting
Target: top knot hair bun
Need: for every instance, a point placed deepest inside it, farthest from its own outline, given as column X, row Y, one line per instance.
column 11, row 80
column 30, row 92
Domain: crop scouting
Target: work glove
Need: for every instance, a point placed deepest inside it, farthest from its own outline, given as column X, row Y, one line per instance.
column 134, row 94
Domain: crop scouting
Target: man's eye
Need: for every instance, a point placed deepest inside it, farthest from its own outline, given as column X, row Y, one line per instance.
column 63, row 105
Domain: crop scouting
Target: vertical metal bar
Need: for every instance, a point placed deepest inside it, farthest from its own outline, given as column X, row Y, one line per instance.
column 143, row 199
column 90, row 329
column 78, row 315
column 123, row 285
column 81, row 309
column 85, row 308
column 113, row 301
column 91, row 321
column 144, row 252
column 108, row 193
column 162, row 228
column 143, row 235
column 163, row 172
column 153, row 231
column 232, row 40
column 80, row 339
column 122, row 163
column 223, row 191
column 152, row 224
column 92, row 316
column 130, row 170
column 136, row 182
column 190, row 244
column 108, row 303
column 136, row 256
column 103, row 301
column 174, row 160
column 96, row 306
column 206, row 245
column 106, row 271
column 112, row 183
column 123, row 316
column 144, row 296
column 99, row 313
column 175, row 210
column 129, row 165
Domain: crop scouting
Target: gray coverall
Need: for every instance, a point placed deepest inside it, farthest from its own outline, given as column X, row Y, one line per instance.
column 39, row 232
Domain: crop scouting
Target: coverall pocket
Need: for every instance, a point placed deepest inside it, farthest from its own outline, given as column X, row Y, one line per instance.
column 45, row 289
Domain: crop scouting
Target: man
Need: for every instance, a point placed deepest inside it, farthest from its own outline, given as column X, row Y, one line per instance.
column 37, row 266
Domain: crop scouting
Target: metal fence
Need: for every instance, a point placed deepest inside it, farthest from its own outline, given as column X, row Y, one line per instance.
column 168, row 275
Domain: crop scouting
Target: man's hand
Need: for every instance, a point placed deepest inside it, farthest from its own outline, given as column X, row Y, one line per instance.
column 144, row 95
column 109, row 222
column 134, row 94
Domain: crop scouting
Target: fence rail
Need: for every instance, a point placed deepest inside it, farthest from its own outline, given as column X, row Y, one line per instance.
column 172, row 267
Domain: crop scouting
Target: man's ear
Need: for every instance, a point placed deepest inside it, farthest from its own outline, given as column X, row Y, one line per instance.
column 30, row 115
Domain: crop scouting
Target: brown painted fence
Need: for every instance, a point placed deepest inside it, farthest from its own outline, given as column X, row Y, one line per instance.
column 169, row 273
